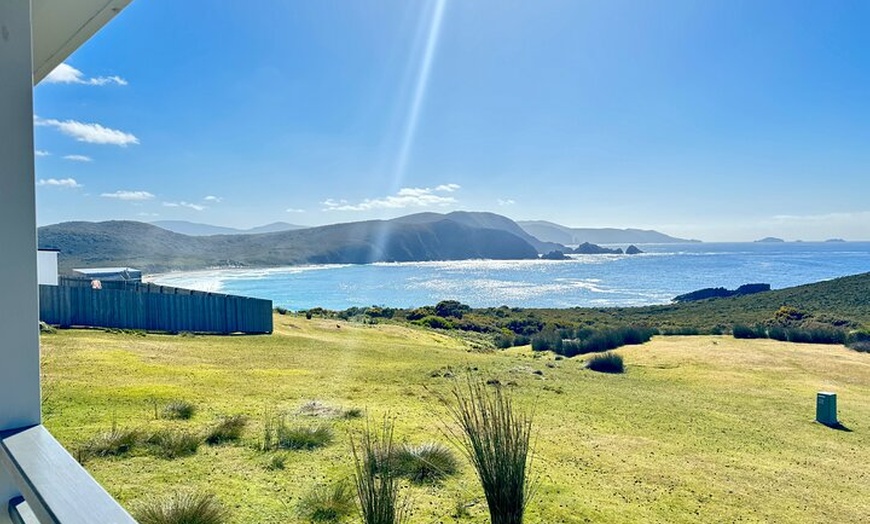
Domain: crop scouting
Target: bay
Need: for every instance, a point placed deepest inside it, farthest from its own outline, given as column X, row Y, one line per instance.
column 654, row 277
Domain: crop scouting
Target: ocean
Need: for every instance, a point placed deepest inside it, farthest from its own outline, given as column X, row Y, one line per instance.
column 654, row 277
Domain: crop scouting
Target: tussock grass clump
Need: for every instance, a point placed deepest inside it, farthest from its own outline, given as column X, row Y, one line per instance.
column 276, row 461
column 496, row 438
column 227, row 429
column 328, row 503
column 606, row 363
column 278, row 435
column 172, row 444
column 182, row 508
column 179, row 410
column 375, row 477
column 428, row 462
column 317, row 408
column 116, row 441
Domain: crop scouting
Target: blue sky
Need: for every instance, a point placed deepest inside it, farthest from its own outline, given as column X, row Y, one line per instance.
column 718, row 120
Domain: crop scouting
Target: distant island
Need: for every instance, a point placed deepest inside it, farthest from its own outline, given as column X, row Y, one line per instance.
column 769, row 240
column 835, row 240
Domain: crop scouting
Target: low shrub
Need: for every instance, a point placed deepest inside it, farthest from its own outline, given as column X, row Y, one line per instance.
column 329, row 503
column 179, row 410
column 606, row 363
column 227, row 429
column 182, row 508
column 434, row 322
column 427, row 462
column 597, row 341
column 746, row 332
column 171, row 444
column 861, row 346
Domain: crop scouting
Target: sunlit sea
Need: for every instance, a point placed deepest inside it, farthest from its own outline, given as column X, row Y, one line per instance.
column 654, row 277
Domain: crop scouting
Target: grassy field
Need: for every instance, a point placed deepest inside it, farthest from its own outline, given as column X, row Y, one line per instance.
column 698, row 429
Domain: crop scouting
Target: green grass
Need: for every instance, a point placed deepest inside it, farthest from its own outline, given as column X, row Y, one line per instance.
column 701, row 429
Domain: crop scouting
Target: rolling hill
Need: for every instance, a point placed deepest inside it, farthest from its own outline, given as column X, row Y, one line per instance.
column 197, row 229
column 153, row 249
column 550, row 232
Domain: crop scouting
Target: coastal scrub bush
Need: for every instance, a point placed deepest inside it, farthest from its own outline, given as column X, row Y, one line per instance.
column 328, row 503
column 179, row 410
column 496, row 438
column 428, row 462
column 182, row 508
column 227, row 429
column 594, row 342
column 747, row 332
column 434, row 322
column 606, row 363
column 451, row 308
column 859, row 341
column 375, row 477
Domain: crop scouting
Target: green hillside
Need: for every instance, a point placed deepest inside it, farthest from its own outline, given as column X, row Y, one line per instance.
column 153, row 249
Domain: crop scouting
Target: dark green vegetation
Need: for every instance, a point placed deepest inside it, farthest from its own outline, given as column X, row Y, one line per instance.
column 428, row 462
column 824, row 312
column 721, row 292
column 425, row 236
column 606, row 363
column 182, row 508
column 496, row 438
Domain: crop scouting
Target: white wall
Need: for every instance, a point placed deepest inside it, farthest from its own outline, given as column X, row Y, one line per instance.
column 46, row 265
column 19, row 309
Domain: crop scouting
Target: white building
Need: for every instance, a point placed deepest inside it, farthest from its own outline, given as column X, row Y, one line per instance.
column 46, row 265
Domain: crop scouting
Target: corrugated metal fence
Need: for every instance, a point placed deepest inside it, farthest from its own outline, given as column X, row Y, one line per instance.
column 153, row 308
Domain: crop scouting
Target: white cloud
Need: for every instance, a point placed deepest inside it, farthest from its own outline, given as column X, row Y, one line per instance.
column 144, row 214
column 67, row 74
column 405, row 197
column 66, row 183
column 294, row 210
column 90, row 133
column 215, row 199
column 41, row 152
column 78, row 158
column 129, row 195
column 195, row 207
column 506, row 201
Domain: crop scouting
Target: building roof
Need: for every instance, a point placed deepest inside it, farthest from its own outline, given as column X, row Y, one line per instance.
column 59, row 28
column 105, row 270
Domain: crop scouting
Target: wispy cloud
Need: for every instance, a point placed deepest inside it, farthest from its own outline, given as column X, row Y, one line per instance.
column 506, row 201
column 214, row 199
column 195, row 207
column 406, row 197
column 67, row 74
column 78, row 158
column 129, row 195
column 295, row 210
column 144, row 214
column 90, row 133
column 41, row 152
column 63, row 183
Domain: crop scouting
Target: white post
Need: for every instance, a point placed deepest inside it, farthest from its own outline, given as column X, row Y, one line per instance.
column 19, row 307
